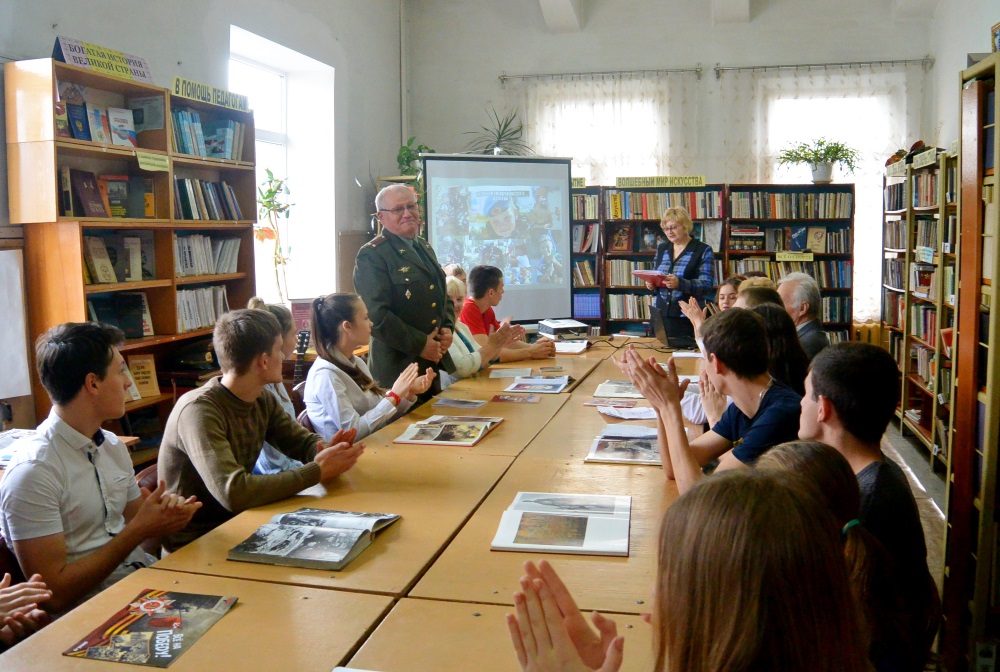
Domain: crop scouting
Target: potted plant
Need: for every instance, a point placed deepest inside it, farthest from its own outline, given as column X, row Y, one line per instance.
column 409, row 155
column 273, row 204
column 501, row 135
column 821, row 155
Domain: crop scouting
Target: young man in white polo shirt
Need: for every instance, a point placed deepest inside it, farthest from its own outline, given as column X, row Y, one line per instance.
column 69, row 504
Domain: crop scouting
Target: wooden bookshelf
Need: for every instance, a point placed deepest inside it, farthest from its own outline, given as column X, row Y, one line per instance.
column 57, row 290
column 585, row 251
column 768, row 223
column 971, row 583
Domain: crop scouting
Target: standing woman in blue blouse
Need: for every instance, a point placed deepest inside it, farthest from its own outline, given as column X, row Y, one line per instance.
column 689, row 267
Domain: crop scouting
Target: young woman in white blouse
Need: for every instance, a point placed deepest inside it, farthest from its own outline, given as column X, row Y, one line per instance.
column 340, row 392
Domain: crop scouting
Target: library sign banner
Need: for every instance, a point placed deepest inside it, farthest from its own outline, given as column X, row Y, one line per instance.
column 101, row 59
column 660, row 181
column 185, row 88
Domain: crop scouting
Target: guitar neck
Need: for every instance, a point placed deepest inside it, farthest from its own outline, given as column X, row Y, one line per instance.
column 300, row 357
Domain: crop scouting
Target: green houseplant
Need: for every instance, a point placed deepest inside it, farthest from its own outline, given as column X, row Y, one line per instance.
column 501, row 135
column 408, row 155
column 273, row 204
column 821, row 155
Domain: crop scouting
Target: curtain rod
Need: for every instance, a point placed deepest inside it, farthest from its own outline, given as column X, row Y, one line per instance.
column 610, row 73
column 927, row 62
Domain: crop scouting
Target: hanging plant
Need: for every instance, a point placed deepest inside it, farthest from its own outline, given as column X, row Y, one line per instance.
column 272, row 202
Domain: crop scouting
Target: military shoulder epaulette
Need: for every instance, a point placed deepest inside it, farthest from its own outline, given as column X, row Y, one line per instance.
column 376, row 241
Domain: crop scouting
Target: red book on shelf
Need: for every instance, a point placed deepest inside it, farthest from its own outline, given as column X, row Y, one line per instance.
column 656, row 278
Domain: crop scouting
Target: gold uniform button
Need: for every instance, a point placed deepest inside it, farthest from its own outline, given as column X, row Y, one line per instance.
column 432, row 287
column 434, row 305
column 434, row 321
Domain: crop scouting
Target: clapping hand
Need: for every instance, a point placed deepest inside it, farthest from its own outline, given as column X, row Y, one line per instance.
column 505, row 335
column 694, row 312
column 660, row 387
column 713, row 401
column 19, row 612
column 421, row 384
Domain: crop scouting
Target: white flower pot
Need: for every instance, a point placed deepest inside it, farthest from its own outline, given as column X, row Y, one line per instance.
column 822, row 173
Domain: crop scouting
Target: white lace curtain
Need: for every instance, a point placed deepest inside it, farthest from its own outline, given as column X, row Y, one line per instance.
column 612, row 125
column 648, row 124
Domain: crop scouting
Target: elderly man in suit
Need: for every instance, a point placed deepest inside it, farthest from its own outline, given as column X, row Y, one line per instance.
column 802, row 300
column 403, row 285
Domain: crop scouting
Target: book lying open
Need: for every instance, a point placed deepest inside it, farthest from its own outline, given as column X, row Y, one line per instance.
column 154, row 629
column 655, row 278
column 449, row 430
column 312, row 538
column 551, row 522
column 617, row 389
column 539, row 384
column 613, row 448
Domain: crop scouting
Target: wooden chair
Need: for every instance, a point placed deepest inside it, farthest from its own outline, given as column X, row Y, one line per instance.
column 303, row 419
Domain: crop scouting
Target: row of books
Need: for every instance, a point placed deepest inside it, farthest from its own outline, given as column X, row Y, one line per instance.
column 764, row 205
column 628, row 306
column 212, row 138
column 200, row 308
column 201, row 199
column 925, row 189
column 828, row 274
column 898, row 348
column 114, row 257
column 802, row 238
column 84, row 193
column 836, row 309
column 583, row 274
column 894, row 196
column 838, row 335
column 893, row 305
column 921, row 279
column 892, row 272
column 923, row 365
column 586, row 238
column 652, row 204
column 894, row 234
column 129, row 311
column 618, row 272
column 584, row 206
column 587, row 305
column 204, row 255
column 923, row 322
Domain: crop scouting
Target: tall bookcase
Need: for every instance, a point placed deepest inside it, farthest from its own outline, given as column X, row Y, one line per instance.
column 778, row 229
column 920, row 246
column 971, row 584
column 631, row 233
column 585, row 250
column 58, row 286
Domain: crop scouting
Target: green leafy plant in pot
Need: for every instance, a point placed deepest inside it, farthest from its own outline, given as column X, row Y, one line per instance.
column 501, row 135
column 821, row 155
column 408, row 157
column 272, row 204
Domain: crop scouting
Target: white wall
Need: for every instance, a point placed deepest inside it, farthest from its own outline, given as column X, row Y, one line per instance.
column 458, row 48
column 190, row 38
column 960, row 27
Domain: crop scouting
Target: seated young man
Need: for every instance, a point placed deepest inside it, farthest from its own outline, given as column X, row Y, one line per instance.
column 70, row 505
column 851, row 394
column 763, row 414
column 485, row 293
column 215, row 433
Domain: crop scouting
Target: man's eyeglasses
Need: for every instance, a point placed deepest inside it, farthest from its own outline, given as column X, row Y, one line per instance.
column 414, row 209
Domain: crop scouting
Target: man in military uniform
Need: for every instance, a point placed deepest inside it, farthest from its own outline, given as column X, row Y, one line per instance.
column 403, row 285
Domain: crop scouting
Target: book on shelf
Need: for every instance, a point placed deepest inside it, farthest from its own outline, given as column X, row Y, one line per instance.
column 98, row 261
column 123, row 310
column 153, row 629
column 147, row 318
column 122, row 127
column 114, row 194
column 550, row 522
column 200, row 308
column 652, row 236
column 711, row 235
column 312, row 538
column 617, row 389
column 133, row 391
column 816, row 239
column 88, row 194
column 539, row 384
column 97, row 119
column 79, row 125
column 798, row 238
column 449, row 430
column 621, row 238
column 143, row 368
column 62, row 121
column 147, row 113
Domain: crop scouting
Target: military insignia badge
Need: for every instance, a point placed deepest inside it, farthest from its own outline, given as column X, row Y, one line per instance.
column 407, row 294
column 404, row 269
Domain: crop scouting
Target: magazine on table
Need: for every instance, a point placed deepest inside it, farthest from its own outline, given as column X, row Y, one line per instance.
column 517, row 398
column 624, row 451
column 539, row 384
column 312, row 538
column 154, row 629
column 623, row 430
column 550, row 522
column 449, row 430
column 617, row 389
column 451, row 402
column 510, row 373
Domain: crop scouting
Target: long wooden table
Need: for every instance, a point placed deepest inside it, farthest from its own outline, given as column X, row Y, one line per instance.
column 577, row 366
column 433, row 635
column 271, row 627
column 468, row 571
column 435, row 491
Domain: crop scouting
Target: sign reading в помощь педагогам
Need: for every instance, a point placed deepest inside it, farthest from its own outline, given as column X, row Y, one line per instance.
column 185, row 88
column 661, row 181
column 101, row 59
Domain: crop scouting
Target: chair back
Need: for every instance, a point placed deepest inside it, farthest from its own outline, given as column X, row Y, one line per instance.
column 304, row 420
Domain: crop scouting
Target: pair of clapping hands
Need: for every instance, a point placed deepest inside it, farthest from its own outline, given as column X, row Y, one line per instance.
column 339, row 454
column 549, row 632
column 20, row 608
column 662, row 386
column 410, row 383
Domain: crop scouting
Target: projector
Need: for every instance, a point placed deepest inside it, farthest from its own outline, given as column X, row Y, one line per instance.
column 559, row 329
